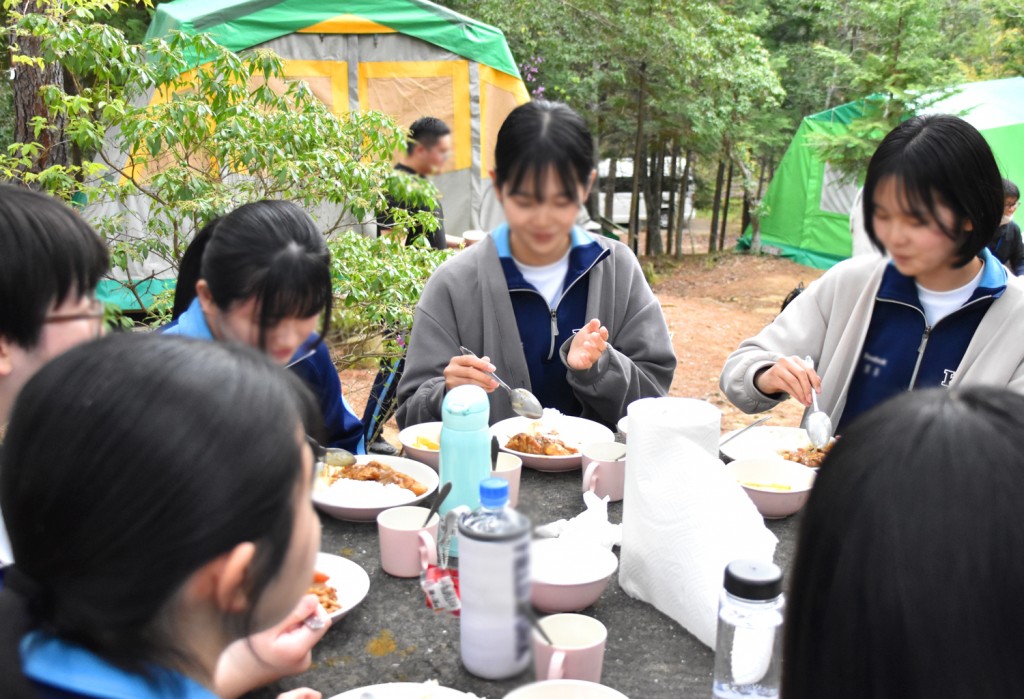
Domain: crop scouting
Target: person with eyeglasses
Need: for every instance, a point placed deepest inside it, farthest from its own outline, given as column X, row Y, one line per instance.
column 50, row 264
column 1006, row 244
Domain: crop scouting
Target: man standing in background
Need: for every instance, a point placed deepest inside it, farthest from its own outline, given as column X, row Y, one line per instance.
column 428, row 148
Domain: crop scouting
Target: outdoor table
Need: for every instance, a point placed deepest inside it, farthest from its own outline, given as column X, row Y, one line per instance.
column 392, row 637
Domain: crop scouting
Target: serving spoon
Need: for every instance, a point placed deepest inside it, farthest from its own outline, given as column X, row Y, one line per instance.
column 819, row 426
column 523, row 402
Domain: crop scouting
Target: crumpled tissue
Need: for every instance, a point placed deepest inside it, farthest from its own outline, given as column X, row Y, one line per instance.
column 590, row 525
column 683, row 517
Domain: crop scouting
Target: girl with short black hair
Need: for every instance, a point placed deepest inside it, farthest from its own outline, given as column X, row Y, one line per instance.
column 941, row 311
column 170, row 517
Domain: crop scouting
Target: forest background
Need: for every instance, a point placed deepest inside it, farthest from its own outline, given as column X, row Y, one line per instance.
column 704, row 95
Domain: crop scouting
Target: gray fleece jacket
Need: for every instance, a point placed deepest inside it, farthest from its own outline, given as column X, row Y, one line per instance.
column 466, row 302
column 829, row 322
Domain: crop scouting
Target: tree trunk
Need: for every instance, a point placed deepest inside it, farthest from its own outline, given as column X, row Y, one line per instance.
column 609, row 189
column 28, row 104
column 672, row 189
column 751, row 204
column 655, row 246
column 634, row 203
column 726, row 196
column 684, row 185
column 713, row 234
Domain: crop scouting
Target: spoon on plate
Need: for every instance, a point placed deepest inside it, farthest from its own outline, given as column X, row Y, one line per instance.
column 819, row 426
column 523, row 402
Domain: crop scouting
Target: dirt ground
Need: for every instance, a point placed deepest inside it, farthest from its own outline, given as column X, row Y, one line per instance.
column 711, row 304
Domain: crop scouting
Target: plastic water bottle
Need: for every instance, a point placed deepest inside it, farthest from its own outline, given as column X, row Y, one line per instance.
column 465, row 457
column 749, row 646
column 494, row 580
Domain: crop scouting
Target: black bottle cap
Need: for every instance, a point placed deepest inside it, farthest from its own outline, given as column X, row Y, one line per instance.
column 753, row 580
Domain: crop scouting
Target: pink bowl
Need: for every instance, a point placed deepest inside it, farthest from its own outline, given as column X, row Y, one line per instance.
column 569, row 575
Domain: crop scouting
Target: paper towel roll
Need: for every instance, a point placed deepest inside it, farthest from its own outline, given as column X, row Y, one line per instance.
column 683, row 517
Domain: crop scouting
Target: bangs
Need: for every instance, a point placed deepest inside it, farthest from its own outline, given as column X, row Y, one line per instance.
column 297, row 285
column 536, row 165
column 917, row 199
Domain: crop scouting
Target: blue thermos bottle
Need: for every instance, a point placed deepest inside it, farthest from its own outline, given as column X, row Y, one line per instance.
column 465, row 448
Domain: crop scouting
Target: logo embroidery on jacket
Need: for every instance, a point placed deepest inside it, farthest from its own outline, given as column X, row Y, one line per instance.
column 947, row 376
column 873, row 365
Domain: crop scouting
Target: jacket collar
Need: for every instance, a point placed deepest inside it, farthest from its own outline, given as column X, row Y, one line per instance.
column 584, row 253
column 897, row 287
column 54, row 662
column 192, row 323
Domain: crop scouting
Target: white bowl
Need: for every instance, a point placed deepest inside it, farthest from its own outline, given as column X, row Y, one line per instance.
column 569, row 575
column 565, row 689
column 347, row 577
column 576, row 432
column 350, row 508
column 408, row 436
column 758, row 476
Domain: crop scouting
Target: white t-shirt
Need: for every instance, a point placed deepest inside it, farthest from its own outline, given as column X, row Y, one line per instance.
column 547, row 279
column 939, row 304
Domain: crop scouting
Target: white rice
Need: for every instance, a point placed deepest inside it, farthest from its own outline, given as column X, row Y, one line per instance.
column 346, row 492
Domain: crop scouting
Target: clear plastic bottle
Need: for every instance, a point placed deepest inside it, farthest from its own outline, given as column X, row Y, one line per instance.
column 465, row 457
column 748, row 650
column 494, row 581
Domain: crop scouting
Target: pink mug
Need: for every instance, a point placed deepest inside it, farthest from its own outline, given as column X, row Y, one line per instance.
column 576, row 651
column 406, row 546
column 604, row 469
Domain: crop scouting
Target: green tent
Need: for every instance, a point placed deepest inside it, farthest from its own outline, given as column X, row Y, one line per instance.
column 808, row 208
column 406, row 58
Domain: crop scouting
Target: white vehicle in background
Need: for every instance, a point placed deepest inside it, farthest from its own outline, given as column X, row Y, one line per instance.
column 624, row 194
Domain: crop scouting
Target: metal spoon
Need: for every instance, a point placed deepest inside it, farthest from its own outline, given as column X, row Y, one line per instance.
column 737, row 433
column 446, row 488
column 523, row 402
column 526, row 610
column 819, row 426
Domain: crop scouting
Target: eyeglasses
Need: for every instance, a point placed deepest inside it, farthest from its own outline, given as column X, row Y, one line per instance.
column 94, row 313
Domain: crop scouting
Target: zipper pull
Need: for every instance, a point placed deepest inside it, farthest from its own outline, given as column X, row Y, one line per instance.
column 554, row 333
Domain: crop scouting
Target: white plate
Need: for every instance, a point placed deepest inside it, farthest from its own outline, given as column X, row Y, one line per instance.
column 345, row 576
column 765, row 441
column 351, row 510
column 403, row 690
column 576, row 432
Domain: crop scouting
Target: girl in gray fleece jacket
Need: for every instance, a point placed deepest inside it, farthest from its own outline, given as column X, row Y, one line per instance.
column 940, row 312
column 543, row 304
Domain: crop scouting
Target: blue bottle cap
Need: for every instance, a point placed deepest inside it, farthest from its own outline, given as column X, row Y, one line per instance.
column 493, row 492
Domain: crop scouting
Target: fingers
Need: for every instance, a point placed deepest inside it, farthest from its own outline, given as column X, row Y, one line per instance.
column 790, row 375
column 462, row 370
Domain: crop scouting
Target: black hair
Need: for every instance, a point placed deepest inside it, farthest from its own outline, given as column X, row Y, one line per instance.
column 1010, row 190
column 908, row 570
column 937, row 159
column 426, row 131
column 538, row 136
column 129, row 463
column 48, row 254
column 267, row 250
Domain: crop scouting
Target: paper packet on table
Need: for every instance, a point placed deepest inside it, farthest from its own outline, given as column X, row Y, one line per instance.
column 684, row 518
column 590, row 525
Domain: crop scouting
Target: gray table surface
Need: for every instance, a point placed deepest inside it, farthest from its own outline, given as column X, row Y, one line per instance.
column 392, row 637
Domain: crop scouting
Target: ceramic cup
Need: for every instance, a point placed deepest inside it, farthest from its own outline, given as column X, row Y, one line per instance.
column 509, row 468
column 577, row 652
column 406, row 546
column 604, row 469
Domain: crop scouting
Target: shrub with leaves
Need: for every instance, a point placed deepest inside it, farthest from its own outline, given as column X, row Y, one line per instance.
column 172, row 132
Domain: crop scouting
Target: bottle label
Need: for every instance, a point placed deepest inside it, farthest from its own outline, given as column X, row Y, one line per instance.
column 441, row 586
